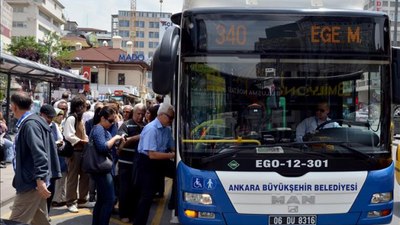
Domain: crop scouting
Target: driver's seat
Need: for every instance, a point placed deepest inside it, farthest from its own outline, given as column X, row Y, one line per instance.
column 254, row 118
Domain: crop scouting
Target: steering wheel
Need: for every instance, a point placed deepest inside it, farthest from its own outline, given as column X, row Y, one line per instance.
column 340, row 121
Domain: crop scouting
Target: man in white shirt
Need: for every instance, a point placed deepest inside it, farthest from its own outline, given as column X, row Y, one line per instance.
column 310, row 124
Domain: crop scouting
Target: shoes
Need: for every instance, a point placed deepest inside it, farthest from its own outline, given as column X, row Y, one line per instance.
column 58, row 204
column 125, row 220
column 73, row 209
column 3, row 166
column 87, row 205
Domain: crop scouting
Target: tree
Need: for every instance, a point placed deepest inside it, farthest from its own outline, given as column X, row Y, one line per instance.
column 60, row 56
column 26, row 47
column 50, row 51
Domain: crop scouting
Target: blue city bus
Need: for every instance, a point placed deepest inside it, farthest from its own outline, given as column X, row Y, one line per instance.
column 242, row 76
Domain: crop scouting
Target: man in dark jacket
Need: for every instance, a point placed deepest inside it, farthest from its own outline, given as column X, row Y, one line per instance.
column 131, row 129
column 36, row 162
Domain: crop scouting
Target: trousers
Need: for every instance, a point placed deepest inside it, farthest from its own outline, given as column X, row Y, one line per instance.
column 30, row 208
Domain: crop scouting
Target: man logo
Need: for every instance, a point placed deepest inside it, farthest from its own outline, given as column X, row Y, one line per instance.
column 293, row 209
column 298, row 200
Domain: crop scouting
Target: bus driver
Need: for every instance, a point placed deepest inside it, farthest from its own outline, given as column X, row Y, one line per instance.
column 310, row 124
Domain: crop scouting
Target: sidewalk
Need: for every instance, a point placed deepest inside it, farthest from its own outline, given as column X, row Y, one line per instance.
column 7, row 191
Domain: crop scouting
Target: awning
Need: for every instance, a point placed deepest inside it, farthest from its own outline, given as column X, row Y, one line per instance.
column 24, row 68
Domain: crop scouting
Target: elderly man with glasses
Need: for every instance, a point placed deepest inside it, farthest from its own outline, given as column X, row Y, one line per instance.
column 156, row 148
column 310, row 124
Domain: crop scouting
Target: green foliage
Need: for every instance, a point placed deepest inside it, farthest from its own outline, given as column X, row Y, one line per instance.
column 27, row 47
column 50, row 48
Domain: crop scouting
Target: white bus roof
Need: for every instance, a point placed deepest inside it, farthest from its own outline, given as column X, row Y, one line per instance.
column 282, row 4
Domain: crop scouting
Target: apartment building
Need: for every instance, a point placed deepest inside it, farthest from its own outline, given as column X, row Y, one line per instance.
column 5, row 24
column 36, row 17
column 145, row 32
column 388, row 7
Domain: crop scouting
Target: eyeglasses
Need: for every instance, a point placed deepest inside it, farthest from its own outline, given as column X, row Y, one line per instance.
column 111, row 121
column 321, row 110
column 169, row 117
column 127, row 112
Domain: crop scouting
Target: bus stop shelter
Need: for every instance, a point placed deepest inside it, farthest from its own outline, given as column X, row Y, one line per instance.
column 19, row 67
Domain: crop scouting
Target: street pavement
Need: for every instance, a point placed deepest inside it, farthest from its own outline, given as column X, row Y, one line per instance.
column 159, row 214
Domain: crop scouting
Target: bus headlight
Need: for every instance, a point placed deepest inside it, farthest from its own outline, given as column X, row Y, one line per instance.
column 204, row 199
column 381, row 197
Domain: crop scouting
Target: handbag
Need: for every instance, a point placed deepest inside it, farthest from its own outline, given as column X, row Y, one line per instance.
column 94, row 161
column 67, row 150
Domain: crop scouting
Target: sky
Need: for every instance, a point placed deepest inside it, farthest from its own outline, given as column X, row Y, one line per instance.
column 97, row 13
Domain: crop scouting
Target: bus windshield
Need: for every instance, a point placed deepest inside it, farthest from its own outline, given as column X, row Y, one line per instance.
column 249, row 104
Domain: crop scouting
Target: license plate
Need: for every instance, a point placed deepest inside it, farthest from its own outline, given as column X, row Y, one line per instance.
column 293, row 220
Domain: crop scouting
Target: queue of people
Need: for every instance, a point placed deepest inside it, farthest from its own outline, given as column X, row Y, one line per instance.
column 47, row 179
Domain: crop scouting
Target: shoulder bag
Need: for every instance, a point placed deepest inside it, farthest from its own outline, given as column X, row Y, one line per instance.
column 68, row 149
column 95, row 162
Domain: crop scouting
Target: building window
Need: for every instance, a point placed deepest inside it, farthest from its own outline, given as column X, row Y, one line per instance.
column 124, row 23
column 124, row 33
column 140, row 34
column 19, row 24
column 139, row 44
column 44, row 16
column 154, row 34
column 154, row 25
column 121, row 79
column 139, row 24
column 153, row 44
column 124, row 13
column 17, row 9
column 139, row 53
column 44, row 30
column 123, row 44
column 55, row 23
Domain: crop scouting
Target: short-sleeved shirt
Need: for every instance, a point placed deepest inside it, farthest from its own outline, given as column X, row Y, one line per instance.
column 130, row 128
column 155, row 137
column 309, row 125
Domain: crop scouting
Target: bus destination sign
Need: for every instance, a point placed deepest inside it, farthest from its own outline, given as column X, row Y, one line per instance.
column 299, row 34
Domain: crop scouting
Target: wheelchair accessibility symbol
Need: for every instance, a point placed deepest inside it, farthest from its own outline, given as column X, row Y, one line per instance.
column 197, row 182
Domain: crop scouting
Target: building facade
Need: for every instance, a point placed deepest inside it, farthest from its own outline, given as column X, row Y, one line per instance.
column 6, row 14
column 145, row 32
column 36, row 17
column 110, row 71
column 388, row 7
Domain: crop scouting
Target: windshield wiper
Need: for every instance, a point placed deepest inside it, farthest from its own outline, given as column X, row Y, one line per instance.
column 344, row 145
column 356, row 151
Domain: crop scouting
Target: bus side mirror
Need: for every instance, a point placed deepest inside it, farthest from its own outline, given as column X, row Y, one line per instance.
column 396, row 75
column 164, row 64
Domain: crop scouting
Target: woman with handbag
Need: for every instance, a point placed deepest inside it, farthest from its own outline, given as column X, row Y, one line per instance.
column 103, row 144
